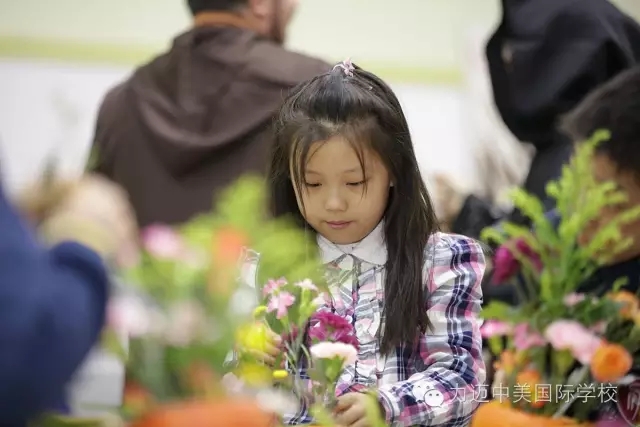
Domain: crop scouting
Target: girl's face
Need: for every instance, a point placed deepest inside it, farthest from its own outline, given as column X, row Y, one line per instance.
column 333, row 199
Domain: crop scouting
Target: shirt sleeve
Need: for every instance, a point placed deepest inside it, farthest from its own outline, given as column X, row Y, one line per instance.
column 53, row 307
column 445, row 392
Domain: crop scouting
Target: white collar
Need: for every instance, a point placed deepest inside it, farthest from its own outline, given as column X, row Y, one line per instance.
column 371, row 249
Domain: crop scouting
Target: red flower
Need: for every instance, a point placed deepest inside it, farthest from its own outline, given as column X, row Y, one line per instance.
column 331, row 327
column 506, row 265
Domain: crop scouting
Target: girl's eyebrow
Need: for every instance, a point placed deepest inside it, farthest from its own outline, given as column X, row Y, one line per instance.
column 309, row 171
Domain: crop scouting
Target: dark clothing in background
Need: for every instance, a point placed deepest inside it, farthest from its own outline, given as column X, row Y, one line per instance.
column 194, row 119
column 547, row 55
column 544, row 58
column 52, row 309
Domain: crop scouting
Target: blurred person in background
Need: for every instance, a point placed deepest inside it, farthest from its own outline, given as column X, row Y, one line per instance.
column 194, row 119
column 501, row 161
column 53, row 295
column 544, row 58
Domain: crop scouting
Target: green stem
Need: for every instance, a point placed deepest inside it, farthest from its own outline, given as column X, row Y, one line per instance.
column 584, row 374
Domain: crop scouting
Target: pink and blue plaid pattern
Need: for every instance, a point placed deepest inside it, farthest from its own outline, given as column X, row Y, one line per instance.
column 437, row 381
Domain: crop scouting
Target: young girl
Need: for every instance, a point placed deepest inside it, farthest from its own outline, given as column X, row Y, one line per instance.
column 343, row 165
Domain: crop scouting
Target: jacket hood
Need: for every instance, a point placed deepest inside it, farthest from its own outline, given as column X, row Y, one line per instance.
column 204, row 95
column 547, row 55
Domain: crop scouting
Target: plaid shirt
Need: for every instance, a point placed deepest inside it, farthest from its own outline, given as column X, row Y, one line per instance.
column 439, row 381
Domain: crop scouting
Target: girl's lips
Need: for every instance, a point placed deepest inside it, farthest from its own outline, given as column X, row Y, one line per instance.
column 337, row 225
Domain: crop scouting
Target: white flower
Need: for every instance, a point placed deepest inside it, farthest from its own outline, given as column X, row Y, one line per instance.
column 187, row 320
column 330, row 350
column 307, row 284
column 321, row 300
column 130, row 316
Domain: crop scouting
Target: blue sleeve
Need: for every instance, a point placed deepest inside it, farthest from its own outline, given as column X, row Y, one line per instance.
column 52, row 308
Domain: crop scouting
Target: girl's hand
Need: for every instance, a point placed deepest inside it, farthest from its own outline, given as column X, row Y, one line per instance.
column 351, row 410
column 265, row 352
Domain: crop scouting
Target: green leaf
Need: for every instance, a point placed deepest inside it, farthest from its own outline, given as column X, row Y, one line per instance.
column 112, row 343
column 497, row 310
column 65, row 421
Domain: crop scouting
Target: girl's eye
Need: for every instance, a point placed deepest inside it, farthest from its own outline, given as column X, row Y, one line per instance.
column 308, row 184
column 356, row 184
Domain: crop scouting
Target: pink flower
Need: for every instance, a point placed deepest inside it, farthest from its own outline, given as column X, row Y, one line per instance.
column 572, row 299
column 616, row 422
column 273, row 286
column 524, row 338
column 280, row 303
column 307, row 284
column 573, row 336
column 325, row 326
column 506, row 265
column 526, row 250
column 494, row 328
column 330, row 350
column 163, row 242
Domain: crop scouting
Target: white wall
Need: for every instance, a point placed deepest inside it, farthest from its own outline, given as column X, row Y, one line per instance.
column 47, row 106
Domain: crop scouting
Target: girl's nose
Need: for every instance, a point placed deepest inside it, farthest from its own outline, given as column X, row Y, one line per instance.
column 335, row 202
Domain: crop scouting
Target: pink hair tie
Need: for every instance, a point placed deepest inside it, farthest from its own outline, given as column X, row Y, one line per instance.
column 347, row 67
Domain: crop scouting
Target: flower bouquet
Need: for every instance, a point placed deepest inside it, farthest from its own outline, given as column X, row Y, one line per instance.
column 561, row 354
column 316, row 345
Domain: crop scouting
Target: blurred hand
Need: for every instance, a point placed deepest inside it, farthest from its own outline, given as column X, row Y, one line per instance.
column 91, row 210
column 351, row 410
column 259, row 342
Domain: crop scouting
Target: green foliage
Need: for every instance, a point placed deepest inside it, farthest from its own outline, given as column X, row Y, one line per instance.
column 554, row 259
column 162, row 366
column 579, row 201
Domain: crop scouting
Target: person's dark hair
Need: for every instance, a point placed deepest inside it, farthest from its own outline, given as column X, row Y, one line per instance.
column 197, row 6
column 364, row 110
column 614, row 106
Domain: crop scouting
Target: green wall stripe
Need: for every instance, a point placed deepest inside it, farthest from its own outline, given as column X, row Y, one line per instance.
column 113, row 54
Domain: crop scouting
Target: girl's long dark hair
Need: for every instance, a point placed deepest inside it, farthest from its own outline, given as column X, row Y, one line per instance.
column 363, row 109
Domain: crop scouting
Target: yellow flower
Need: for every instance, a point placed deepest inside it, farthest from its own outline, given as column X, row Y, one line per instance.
column 254, row 374
column 280, row 374
column 253, row 337
column 259, row 311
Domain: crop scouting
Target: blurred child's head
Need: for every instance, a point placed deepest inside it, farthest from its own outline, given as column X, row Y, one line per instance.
column 342, row 161
column 615, row 106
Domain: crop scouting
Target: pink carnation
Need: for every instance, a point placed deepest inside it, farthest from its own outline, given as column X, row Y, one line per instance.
column 163, row 242
column 325, row 326
column 506, row 265
column 280, row 303
column 495, row 328
column 524, row 338
column 573, row 336
column 273, row 286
